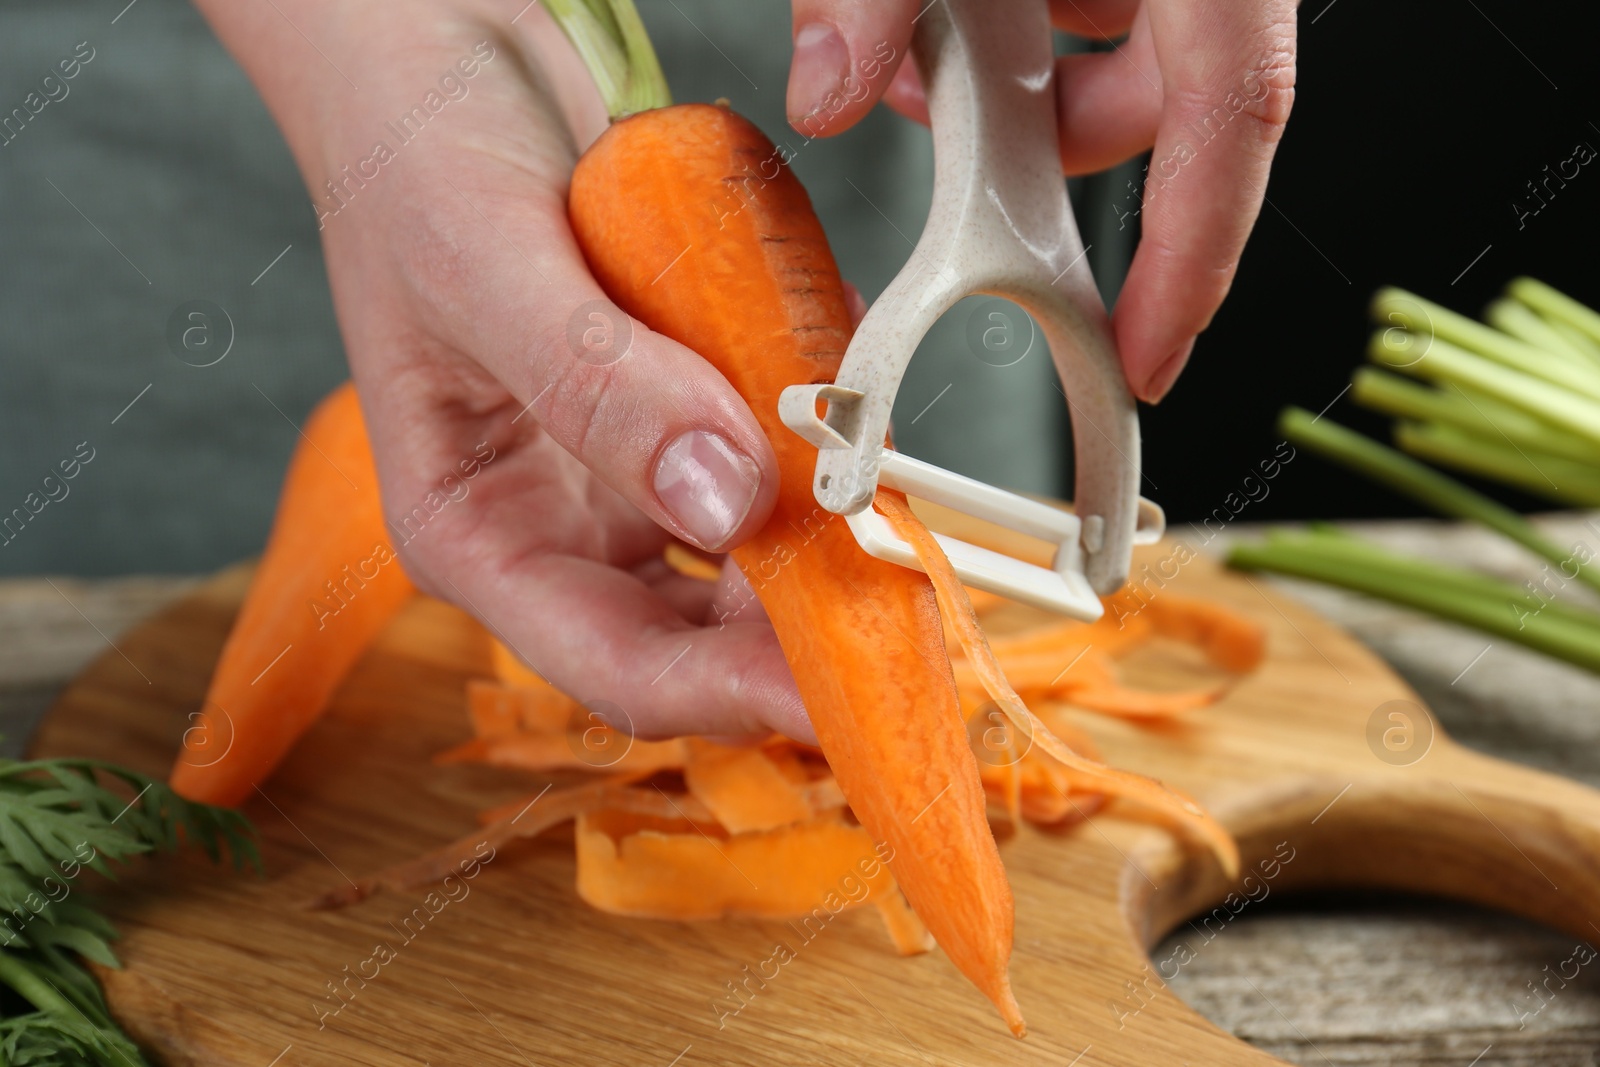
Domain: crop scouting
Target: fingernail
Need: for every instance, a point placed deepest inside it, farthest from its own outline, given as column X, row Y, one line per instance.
column 707, row 485
column 1160, row 382
column 821, row 64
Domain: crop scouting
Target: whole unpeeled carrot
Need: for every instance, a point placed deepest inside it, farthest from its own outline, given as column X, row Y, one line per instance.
column 753, row 287
column 326, row 585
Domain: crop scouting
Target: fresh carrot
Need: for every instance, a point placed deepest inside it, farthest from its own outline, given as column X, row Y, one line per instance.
column 753, row 287
column 326, row 585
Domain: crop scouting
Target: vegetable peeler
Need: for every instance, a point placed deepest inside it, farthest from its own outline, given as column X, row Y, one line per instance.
column 1000, row 224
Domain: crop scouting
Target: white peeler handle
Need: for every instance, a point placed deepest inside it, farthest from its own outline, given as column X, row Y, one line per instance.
column 1000, row 224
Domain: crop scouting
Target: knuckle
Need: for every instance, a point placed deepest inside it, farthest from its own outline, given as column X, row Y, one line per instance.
column 1206, row 274
column 1272, row 97
column 590, row 410
column 1263, row 94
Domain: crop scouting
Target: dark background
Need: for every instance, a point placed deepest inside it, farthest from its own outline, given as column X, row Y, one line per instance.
column 1415, row 127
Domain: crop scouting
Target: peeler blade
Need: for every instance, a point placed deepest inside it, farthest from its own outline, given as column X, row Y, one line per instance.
column 981, row 568
column 1061, row 587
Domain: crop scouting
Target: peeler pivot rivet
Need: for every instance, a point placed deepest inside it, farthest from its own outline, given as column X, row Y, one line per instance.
column 1094, row 532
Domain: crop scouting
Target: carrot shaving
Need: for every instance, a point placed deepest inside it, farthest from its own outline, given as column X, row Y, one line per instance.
column 813, row 870
column 1119, row 700
column 548, row 809
column 585, row 751
column 508, row 708
column 910, row 937
column 743, row 788
column 957, row 609
column 1230, row 641
column 1074, row 661
column 690, row 565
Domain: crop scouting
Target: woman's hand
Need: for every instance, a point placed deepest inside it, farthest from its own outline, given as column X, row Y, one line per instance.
column 448, row 131
column 1208, row 83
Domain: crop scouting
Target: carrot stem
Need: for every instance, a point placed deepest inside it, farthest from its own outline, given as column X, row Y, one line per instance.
column 611, row 40
column 1540, row 473
column 1557, row 306
column 1558, row 634
column 1478, row 415
column 1420, row 482
column 1397, row 307
column 1437, row 360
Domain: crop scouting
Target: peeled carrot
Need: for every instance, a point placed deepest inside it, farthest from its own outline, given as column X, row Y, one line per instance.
column 327, row 584
column 691, row 222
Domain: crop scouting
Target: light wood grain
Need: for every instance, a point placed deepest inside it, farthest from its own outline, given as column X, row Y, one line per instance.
column 225, row 971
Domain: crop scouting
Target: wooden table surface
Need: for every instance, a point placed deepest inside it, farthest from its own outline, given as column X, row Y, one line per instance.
column 1316, row 981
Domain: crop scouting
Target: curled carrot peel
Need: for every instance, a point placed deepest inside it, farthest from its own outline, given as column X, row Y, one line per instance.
column 538, row 814
column 1074, row 662
column 958, row 611
column 326, row 586
column 632, row 865
column 743, row 788
column 1231, row 641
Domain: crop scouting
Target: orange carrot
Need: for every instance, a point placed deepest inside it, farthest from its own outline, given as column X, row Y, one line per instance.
column 753, row 288
column 327, row 584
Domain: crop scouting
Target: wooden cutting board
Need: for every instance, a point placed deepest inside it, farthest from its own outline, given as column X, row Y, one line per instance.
column 1303, row 761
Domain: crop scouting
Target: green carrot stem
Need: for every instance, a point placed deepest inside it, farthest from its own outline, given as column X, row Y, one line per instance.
column 1522, row 322
column 1475, row 414
column 1438, row 360
column 1576, row 338
column 611, row 40
column 1541, row 597
column 1396, row 307
column 1548, row 633
column 1540, row 473
column 1554, row 304
column 71, row 1011
column 1420, row 482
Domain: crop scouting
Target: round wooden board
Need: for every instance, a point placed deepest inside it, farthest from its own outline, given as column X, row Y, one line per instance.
column 223, row 969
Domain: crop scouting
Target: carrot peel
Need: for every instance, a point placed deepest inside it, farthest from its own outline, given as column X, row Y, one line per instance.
column 957, row 610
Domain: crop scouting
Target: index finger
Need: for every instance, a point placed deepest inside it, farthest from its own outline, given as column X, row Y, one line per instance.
column 1227, row 73
column 846, row 53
